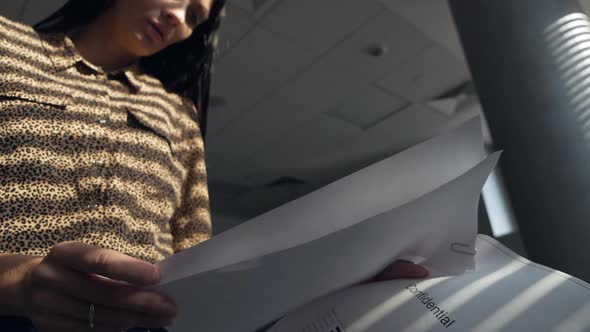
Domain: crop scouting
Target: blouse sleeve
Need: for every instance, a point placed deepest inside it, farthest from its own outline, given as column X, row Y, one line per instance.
column 191, row 223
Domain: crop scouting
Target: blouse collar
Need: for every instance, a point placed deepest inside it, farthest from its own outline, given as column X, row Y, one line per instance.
column 63, row 54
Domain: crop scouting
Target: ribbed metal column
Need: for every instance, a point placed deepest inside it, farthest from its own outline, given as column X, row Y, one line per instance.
column 530, row 61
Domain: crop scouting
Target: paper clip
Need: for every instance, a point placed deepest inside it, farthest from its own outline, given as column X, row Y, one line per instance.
column 463, row 249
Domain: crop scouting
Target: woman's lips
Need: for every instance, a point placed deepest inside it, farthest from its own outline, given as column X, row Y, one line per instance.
column 155, row 31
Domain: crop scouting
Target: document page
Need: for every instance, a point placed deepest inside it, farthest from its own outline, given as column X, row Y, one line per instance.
column 505, row 292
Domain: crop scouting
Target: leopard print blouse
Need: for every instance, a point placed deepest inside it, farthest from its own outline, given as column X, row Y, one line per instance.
column 108, row 159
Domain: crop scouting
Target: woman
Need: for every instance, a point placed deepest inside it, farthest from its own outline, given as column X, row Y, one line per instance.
column 103, row 108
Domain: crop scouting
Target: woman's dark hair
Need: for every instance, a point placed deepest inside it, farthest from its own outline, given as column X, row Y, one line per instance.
column 183, row 68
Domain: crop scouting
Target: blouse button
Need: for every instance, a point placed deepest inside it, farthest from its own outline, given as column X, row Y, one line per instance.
column 102, row 121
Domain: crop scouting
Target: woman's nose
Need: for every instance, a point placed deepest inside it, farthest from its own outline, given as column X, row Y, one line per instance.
column 175, row 16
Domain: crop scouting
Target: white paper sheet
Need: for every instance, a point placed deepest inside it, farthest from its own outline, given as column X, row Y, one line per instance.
column 364, row 194
column 505, row 293
column 244, row 296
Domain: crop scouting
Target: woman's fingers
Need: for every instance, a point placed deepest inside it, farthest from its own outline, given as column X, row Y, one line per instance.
column 75, row 310
column 101, row 291
column 109, row 263
column 402, row 269
column 75, row 275
column 87, row 266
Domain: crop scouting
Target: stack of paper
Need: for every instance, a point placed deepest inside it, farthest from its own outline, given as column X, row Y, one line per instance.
column 420, row 204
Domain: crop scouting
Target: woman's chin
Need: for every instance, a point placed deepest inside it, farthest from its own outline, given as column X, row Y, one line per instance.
column 143, row 46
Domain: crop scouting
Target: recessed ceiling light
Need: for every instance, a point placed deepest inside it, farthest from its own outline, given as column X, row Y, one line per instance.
column 377, row 49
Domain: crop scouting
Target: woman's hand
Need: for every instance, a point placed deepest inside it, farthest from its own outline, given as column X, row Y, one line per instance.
column 402, row 269
column 57, row 291
column 399, row 269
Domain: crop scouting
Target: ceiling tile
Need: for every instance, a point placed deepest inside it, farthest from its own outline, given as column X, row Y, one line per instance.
column 298, row 148
column 318, row 25
column 234, row 27
column 259, row 64
column 257, row 8
column 427, row 75
column 222, row 222
column 347, row 68
column 39, row 9
column 434, row 18
column 218, row 167
column 264, row 199
column 247, row 5
column 276, row 118
column 219, row 117
column 402, row 41
column 12, row 9
column 318, row 167
column 399, row 132
column 266, row 123
column 407, row 128
column 367, row 107
column 220, row 190
column 315, row 136
column 332, row 151
column 320, row 88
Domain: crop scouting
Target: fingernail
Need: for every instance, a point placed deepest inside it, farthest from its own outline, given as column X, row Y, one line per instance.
column 420, row 272
column 168, row 308
column 167, row 299
column 155, row 278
